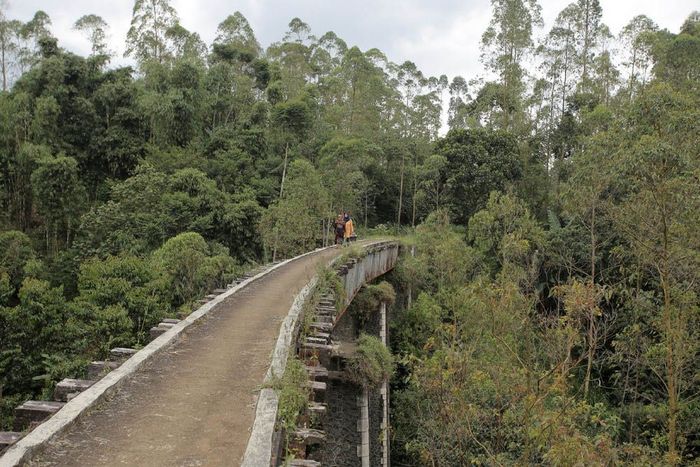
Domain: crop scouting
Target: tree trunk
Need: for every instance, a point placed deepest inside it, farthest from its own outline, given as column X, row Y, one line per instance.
column 671, row 375
column 4, row 67
column 591, row 312
column 284, row 168
column 415, row 190
column 398, row 215
column 366, row 206
column 586, row 45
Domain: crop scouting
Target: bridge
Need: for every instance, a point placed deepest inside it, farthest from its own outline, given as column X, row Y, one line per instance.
column 200, row 393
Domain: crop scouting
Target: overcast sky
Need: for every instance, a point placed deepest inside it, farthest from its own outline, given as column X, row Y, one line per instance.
column 440, row 36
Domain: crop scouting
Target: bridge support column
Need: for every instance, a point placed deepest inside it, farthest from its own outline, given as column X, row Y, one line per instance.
column 363, row 426
column 385, row 392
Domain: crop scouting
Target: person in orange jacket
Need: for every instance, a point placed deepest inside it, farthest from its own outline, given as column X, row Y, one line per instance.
column 349, row 229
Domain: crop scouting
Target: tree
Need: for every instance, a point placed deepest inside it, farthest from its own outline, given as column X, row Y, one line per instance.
column 146, row 39
column 15, row 252
column 433, row 178
column 31, row 34
column 636, row 37
column 9, row 44
column 42, row 342
column 190, row 267
column 459, row 96
column 507, row 42
column 293, row 224
column 589, row 30
column 656, row 217
column 95, row 28
column 478, row 162
column 128, row 283
column 235, row 30
column 59, row 196
column 676, row 57
column 293, row 119
column 186, row 45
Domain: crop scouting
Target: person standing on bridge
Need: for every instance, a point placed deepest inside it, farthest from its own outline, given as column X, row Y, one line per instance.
column 349, row 229
column 339, row 230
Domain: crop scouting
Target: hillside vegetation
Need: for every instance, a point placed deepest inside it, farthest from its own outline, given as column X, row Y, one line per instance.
column 548, row 299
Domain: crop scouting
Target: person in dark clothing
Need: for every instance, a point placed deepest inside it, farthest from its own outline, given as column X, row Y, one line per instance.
column 339, row 230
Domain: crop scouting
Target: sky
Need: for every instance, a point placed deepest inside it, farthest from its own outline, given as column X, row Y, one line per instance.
column 440, row 36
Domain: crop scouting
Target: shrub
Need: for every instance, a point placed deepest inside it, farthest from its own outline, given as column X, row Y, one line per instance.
column 371, row 364
column 122, row 284
column 189, row 266
column 369, row 298
column 293, row 394
column 15, row 251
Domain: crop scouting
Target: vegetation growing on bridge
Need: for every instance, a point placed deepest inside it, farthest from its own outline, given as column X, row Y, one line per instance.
column 368, row 300
column 371, row 363
column 550, row 313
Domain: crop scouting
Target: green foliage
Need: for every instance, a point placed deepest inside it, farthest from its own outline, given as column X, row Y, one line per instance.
column 43, row 339
column 506, row 233
column 59, row 195
column 293, row 394
column 293, row 224
column 559, row 328
column 190, row 267
column 15, row 253
column 128, row 291
column 371, row 364
column 478, row 162
column 369, row 298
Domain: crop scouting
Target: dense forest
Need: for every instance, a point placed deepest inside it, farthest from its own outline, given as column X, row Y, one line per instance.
column 548, row 305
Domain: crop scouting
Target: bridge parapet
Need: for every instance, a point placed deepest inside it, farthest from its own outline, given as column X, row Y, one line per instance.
column 265, row 444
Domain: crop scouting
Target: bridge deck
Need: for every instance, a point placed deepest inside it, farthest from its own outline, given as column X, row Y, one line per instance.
column 193, row 404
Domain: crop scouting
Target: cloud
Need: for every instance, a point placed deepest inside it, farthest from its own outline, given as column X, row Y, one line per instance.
column 440, row 36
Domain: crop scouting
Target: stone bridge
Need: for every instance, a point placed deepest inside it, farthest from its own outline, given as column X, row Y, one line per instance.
column 199, row 392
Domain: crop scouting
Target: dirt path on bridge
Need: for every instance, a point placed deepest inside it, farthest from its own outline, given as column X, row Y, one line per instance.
column 194, row 404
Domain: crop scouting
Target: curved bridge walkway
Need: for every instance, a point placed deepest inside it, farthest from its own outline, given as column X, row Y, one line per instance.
column 194, row 403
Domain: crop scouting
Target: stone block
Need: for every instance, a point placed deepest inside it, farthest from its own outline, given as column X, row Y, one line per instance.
column 35, row 412
column 8, row 438
column 170, row 321
column 122, row 353
column 156, row 331
column 98, row 369
column 317, row 409
column 319, row 390
column 317, row 372
column 309, row 436
column 322, row 327
column 316, row 340
column 70, row 386
column 304, row 463
column 218, row 291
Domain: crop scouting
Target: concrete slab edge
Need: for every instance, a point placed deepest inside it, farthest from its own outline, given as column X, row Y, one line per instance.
column 22, row 451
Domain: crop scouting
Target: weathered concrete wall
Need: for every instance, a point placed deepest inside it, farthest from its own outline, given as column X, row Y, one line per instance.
column 380, row 259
